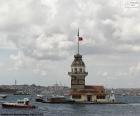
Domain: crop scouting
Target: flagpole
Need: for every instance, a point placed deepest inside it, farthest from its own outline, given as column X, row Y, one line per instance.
column 78, row 40
column 78, row 45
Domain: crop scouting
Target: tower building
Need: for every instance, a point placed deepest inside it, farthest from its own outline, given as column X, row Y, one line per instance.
column 78, row 73
column 79, row 91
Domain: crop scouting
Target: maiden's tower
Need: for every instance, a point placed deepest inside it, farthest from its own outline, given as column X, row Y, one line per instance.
column 80, row 92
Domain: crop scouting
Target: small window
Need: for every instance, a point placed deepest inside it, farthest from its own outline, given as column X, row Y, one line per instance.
column 74, row 77
column 80, row 69
column 101, row 97
column 102, row 91
column 75, row 69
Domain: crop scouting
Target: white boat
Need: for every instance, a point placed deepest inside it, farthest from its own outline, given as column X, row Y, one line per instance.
column 19, row 104
column 40, row 98
column 2, row 96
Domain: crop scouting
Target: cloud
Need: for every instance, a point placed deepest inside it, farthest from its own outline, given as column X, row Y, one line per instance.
column 135, row 69
column 101, row 24
column 45, row 31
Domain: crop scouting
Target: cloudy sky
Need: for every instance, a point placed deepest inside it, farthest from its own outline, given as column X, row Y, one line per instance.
column 38, row 41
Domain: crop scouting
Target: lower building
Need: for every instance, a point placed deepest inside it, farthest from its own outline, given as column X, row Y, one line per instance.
column 89, row 94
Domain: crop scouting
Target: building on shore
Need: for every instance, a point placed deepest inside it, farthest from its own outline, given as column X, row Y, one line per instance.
column 79, row 91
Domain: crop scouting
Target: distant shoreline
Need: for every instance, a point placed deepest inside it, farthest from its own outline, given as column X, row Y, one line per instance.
column 35, row 89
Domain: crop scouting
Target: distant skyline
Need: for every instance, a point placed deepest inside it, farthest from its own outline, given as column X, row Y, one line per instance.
column 38, row 41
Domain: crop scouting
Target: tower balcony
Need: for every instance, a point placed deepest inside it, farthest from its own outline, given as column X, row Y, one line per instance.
column 77, row 73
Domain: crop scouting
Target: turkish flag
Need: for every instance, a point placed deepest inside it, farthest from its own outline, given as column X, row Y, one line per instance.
column 80, row 38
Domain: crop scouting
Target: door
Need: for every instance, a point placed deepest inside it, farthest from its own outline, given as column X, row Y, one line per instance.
column 89, row 98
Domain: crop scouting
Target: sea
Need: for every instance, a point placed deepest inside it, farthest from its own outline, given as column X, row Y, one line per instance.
column 131, row 108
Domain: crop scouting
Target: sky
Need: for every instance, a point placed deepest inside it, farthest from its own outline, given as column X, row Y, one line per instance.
column 38, row 41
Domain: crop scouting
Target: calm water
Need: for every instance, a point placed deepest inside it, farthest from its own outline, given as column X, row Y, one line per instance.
column 130, row 109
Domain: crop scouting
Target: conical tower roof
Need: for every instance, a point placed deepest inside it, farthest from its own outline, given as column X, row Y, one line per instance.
column 78, row 61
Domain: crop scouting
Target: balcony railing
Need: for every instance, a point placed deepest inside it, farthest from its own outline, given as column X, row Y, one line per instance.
column 78, row 73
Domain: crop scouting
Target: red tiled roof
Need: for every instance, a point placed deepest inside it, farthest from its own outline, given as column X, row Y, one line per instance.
column 95, row 87
column 86, row 92
column 90, row 89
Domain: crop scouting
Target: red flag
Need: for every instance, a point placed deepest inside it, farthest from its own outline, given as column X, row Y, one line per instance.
column 80, row 38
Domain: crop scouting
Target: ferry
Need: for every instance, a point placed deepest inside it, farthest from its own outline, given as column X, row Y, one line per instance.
column 19, row 104
column 59, row 99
